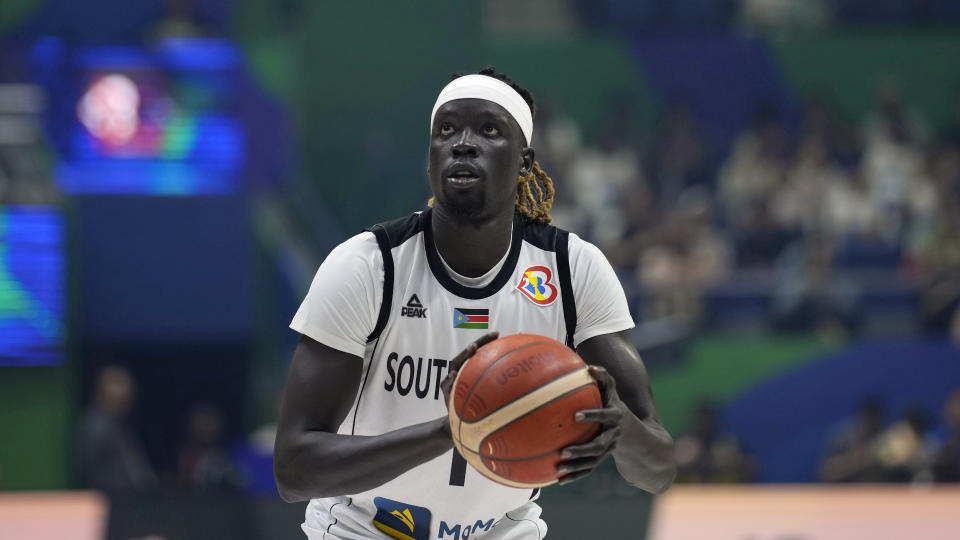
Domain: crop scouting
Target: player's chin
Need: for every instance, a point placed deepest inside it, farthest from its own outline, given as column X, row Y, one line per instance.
column 467, row 205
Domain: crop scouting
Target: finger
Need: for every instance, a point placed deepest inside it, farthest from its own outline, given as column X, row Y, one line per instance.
column 603, row 443
column 459, row 359
column 605, row 381
column 607, row 416
column 446, row 385
column 487, row 338
column 447, row 381
column 573, row 477
column 576, row 465
column 471, row 349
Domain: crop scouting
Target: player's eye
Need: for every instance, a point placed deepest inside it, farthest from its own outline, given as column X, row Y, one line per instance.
column 446, row 128
column 490, row 131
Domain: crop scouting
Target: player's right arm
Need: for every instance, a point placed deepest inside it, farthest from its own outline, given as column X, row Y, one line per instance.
column 311, row 460
column 335, row 320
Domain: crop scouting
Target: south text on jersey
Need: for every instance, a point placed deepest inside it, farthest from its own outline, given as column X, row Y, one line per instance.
column 415, row 376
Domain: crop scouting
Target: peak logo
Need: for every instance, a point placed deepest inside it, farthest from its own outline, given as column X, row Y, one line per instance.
column 414, row 309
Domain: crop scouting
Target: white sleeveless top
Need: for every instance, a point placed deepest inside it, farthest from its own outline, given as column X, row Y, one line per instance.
column 385, row 295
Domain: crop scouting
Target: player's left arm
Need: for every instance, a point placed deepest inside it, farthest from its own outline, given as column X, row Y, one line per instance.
column 631, row 430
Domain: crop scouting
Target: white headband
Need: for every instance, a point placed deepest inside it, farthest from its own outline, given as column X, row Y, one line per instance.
column 490, row 89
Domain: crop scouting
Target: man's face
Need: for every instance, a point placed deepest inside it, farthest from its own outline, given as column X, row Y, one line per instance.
column 476, row 154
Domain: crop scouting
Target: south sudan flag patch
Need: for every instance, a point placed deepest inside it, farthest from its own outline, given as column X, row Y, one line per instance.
column 471, row 318
column 401, row 520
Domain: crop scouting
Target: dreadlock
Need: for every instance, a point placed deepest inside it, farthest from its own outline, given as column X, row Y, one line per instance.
column 535, row 191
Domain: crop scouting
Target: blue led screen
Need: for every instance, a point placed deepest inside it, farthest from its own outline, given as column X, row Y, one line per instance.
column 161, row 120
column 31, row 285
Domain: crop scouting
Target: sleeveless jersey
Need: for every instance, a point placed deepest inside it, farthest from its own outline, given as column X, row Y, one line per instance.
column 420, row 319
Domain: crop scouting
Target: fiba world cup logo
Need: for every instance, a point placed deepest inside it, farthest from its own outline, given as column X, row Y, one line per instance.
column 535, row 284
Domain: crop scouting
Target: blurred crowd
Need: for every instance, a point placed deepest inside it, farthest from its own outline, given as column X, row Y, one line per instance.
column 818, row 210
column 115, row 459
column 864, row 449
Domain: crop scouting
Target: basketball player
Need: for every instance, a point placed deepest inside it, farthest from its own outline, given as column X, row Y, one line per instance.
column 363, row 431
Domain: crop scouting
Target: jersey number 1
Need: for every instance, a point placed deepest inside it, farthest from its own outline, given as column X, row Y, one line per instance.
column 458, row 469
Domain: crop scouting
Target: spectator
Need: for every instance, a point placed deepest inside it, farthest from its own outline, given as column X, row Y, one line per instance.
column 893, row 120
column 676, row 156
column 113, row 457
column 601, row 173
column 848, row 456
column 707, row 455
column 849, row 210
column 892, row 156
column 810, row 294
column 940, row 261
column 686, row 257
column 904, row 450
column 761, row 240
column 642, row 223
column 946, row 461
column 755, row 169
column 558, row 149
column 817, row 165
column 203, row 462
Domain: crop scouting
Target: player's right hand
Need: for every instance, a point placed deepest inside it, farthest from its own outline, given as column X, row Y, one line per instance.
column 458, row 361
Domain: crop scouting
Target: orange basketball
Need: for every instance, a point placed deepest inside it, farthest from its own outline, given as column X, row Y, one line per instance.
column 512, row 405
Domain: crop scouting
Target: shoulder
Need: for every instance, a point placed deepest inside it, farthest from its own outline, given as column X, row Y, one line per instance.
column 542, row 235
column 362, row 242
column 365, row 248
column 580, row 253
column 354, row 254
column 584, row 254
column 601, row 303
column 390, row 234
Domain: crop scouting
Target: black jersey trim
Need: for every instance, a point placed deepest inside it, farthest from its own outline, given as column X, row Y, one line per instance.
column 389, row 235
column 383, row 241
column 363, row 384
column 400, row 230
column 550, row 238
column 535, row 526
column 566, row 284
column 471, row 293
column 540, row 235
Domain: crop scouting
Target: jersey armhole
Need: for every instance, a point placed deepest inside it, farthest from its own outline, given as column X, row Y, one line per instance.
column 383, row 241
column 566, row 284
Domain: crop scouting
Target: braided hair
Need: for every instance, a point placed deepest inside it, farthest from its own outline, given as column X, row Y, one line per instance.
column 535, row 191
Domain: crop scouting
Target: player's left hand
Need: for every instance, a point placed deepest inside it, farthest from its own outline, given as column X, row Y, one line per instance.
column 580, row 460
column 457, row 362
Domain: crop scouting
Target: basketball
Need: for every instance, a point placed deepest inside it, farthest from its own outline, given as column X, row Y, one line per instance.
column 512, row 405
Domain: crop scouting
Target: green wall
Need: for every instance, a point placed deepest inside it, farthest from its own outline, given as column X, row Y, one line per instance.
column 360, row 88
column 579, row 73
column 719, row 367
column 36, row 416
column 14, row 12
column 848, row 66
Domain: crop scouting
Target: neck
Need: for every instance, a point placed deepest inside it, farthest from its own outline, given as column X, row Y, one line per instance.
column 471, row 248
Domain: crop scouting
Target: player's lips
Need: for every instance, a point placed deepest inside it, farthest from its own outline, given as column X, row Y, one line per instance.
column 462, row 174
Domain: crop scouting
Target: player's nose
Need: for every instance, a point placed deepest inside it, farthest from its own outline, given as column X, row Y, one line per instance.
column 465, row 145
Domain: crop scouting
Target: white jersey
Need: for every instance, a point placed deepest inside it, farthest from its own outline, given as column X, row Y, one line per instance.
column 385, row 295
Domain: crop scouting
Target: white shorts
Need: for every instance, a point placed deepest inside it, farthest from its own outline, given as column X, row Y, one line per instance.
column 327, row 523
